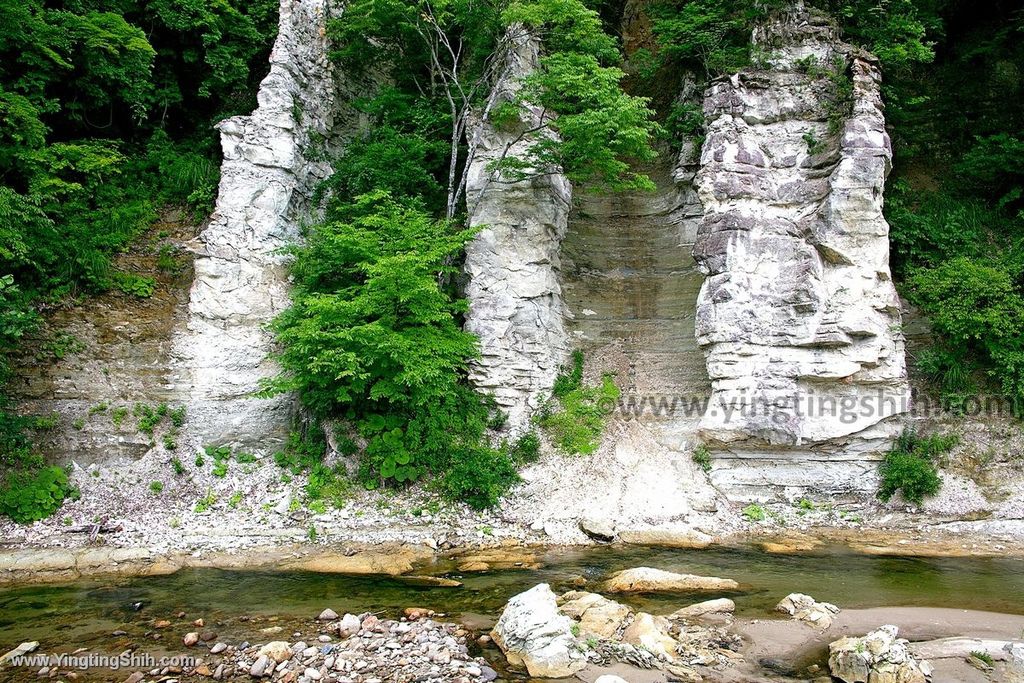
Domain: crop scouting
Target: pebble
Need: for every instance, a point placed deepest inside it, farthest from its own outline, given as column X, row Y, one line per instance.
column 324, row 638
column 328, row 615
column 259, row 668
column 313, row 674
column 218, row 648
column 190, row 639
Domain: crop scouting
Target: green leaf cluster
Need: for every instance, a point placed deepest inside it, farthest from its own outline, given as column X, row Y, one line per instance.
column 105, row 115
column 574, row 418
column 909, row 468
column 373, row 338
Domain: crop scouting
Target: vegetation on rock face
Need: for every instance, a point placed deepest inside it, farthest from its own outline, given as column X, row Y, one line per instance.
column 374, row 338
column 910, row 467
column 106, row 112
column 574, row 417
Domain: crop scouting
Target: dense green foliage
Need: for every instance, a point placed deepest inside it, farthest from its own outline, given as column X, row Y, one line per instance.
column 373, row 339
column 955, row 203
column 105, row 116
column 574, row 417
column 445, row 56
column 909, row 468
column 30, row 495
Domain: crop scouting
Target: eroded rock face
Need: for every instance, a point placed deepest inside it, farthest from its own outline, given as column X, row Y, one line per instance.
column 798, row 315
column 272, row 164
column 515, row 301
column 532, row 634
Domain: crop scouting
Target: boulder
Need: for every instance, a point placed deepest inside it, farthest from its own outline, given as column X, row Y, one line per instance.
column 598, row 616
column 667, row 536
column 348, row 626
column 278, row 650
column 878, row 657
column 598, row 529
column 532, row 634
column 651, row 633
column 263, row 666
column 649, row 580
column 805, row 608
column 713, row 611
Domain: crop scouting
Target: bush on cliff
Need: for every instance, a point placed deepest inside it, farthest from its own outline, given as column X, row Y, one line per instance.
column 372, row 338
column 909, row 468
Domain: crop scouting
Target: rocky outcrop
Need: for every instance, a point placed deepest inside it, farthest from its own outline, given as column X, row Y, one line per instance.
column 716, row 611
column 798, row 315
column 598, row 616
column 649, row 580
column 590, row 628
column 532, row 634
column 515, row 301
column 808, row 610
column 273, row 160
column 878, row 657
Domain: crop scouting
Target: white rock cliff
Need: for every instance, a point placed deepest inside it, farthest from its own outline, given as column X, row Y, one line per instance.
column 798, row 316
column 515, row 300
column 272, row 163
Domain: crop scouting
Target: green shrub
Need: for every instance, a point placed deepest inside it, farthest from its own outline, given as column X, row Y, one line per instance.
column 575, row 417
column 206, row 502
column 478, row 476
column 526, row 448
column 754, row 513
column 156, row 487
column 909, row 468
column 304, row 452
column 177, row 416
column 702, row 456
column 28, row 496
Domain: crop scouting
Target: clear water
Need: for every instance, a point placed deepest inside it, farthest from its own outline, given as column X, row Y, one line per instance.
column 237, row 604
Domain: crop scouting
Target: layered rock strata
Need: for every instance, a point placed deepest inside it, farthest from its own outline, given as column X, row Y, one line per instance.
column 273, row 161
column 798, row 315
column 515, row 300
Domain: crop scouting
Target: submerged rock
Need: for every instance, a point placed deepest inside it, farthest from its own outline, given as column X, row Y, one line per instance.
column 647, row 579
column 878, row 657
column 533, row 634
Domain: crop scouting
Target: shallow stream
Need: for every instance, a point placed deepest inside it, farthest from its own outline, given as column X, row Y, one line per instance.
column 238, row 604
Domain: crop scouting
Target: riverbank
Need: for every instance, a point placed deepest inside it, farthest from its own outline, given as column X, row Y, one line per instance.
column 251, row 515
column 28, row 564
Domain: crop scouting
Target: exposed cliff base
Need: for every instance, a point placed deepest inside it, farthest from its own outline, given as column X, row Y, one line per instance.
column 563, row 501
